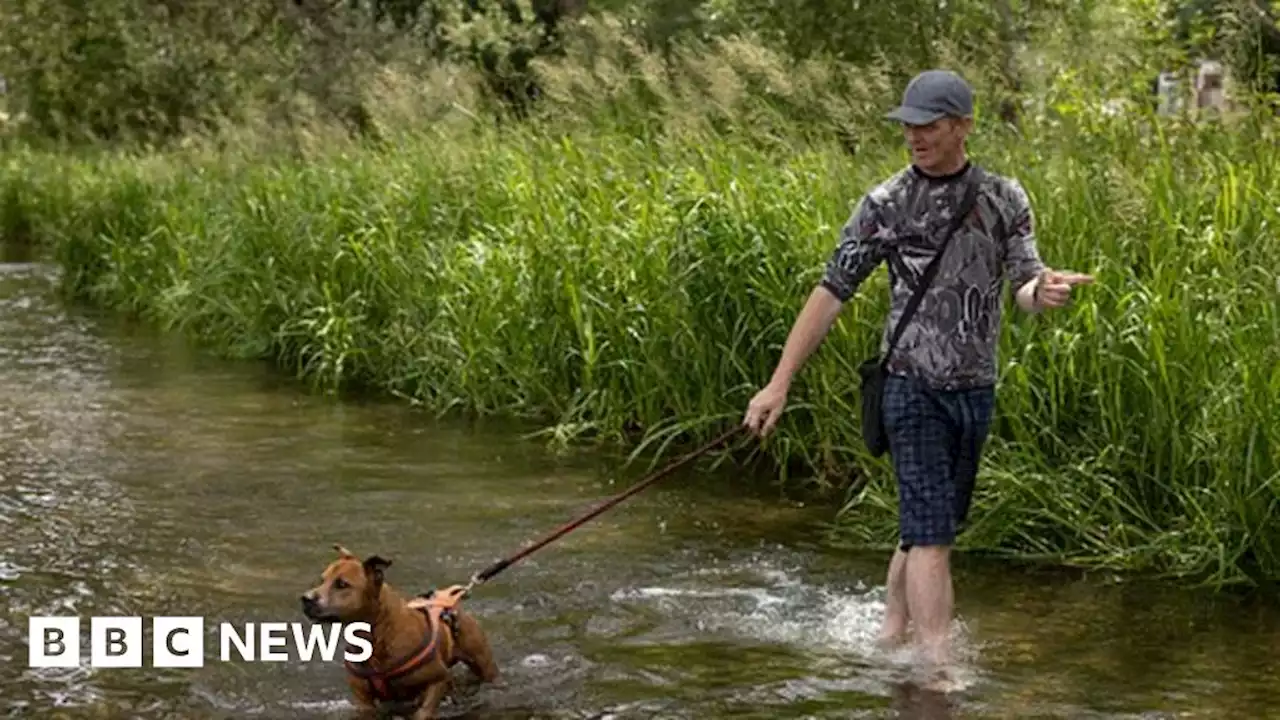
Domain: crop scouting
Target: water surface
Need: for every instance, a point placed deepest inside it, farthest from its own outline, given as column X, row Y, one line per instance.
column 138, row 477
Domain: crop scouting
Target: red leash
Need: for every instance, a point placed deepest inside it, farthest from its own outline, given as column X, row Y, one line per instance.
column 568, row 527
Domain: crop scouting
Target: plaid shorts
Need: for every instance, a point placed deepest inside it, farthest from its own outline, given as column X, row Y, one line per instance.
column 935, row 441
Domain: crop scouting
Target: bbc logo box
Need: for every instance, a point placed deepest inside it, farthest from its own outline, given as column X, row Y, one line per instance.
column 178, row 642
column 116, row 642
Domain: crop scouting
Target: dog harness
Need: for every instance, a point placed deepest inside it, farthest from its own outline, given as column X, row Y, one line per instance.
column 439, row 610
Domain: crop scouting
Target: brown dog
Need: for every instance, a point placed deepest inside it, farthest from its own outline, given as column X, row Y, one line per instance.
column 416, row 643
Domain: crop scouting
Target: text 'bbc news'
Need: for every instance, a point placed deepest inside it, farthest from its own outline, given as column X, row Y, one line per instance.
column 179, row 642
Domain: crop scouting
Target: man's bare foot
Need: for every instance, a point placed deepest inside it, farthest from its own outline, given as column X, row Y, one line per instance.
column 891, row 639
column 943, row 681
column 939, row 674
column 935, row 662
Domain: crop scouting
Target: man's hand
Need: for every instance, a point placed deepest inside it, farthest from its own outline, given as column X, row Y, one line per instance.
column 765, row 409
column 1054, row 287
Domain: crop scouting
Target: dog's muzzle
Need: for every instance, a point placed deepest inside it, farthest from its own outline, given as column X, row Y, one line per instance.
column 311, row 608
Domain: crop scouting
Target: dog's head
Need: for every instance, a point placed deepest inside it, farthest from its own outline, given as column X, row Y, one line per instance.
column 348, row 589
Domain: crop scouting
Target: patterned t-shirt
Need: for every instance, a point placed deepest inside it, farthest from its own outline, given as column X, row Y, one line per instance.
column 951, row 341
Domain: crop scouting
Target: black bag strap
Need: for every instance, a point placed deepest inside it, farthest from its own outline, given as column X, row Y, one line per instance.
column 966, row 206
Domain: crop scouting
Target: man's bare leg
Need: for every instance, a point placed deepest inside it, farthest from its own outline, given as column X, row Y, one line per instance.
column 929, row 601
column 896, row 614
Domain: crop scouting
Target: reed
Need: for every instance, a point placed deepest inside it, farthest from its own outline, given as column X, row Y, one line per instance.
column 621, row 281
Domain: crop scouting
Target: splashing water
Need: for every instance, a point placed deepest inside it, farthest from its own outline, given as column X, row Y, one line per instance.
column 757, row 601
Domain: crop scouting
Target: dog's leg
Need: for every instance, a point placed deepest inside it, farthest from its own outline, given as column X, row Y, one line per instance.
column 484, row 668
column 474, row 648
column 431, row 703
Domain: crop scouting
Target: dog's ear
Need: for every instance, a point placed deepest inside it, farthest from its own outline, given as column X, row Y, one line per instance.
column 343, row 553
column 374, row 567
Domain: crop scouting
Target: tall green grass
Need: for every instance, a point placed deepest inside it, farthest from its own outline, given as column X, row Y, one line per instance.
column 635, row 285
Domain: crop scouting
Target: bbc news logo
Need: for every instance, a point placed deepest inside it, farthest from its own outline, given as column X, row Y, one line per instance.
column 178, row 642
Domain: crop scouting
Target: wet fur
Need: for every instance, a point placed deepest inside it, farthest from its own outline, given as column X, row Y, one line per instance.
column 352, row 590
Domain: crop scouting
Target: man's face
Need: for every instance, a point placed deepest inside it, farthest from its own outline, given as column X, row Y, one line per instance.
column 938, row 144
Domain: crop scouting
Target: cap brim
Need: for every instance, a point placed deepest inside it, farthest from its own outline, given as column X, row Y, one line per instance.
column 913, row 116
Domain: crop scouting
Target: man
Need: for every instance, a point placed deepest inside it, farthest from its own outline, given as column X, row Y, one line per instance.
column 940, row 392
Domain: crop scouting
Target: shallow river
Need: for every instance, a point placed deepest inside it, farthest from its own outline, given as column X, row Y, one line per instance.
column 139, row 478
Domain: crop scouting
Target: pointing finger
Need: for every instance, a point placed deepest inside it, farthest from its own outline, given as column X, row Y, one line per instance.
column 1058, row 277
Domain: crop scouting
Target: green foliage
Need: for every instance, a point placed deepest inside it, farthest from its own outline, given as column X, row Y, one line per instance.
column 157, row 70
column 112, row 68
column 629, row 292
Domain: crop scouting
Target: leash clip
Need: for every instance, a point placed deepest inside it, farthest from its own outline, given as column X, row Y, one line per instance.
column 475, row 580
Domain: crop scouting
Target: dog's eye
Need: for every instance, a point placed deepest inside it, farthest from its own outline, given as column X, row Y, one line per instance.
column 340, row 584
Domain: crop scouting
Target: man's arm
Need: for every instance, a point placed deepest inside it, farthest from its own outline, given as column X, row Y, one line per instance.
column 811, row 327
column 1022, row 259
column 860, row 250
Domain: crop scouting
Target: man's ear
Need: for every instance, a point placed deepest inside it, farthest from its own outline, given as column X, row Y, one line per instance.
column 374, row 566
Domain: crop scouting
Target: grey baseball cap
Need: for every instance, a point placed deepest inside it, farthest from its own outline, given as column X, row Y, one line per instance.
column 934, row 94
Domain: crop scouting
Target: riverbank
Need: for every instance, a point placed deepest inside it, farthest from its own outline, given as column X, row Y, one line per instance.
column 614, row 288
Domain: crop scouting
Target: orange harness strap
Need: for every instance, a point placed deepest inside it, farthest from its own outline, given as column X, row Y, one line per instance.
column 436, row 606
